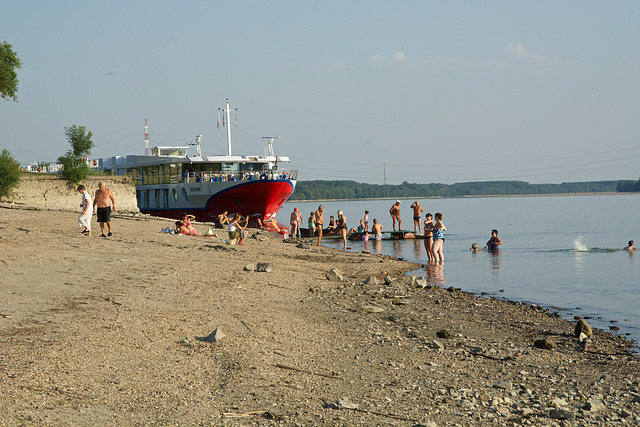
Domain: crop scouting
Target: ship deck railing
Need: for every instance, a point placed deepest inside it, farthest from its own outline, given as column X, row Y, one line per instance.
column 206, row 176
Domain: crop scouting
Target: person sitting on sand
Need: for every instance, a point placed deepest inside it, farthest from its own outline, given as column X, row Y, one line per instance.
column 223, row 219
column 187, row 218
column 186, row 223
column 331, row 228
column 189, row 230
column 376, row 229
column 629, row 248
column 236, row 230
column 494, row 242
column 474, row 248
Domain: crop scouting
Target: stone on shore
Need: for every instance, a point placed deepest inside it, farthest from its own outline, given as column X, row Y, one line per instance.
column 264, row 267
column 342, row 404
column 583, row 327
column 545, row 344
column 443, row 333
column 214, row 336
column 334, row 275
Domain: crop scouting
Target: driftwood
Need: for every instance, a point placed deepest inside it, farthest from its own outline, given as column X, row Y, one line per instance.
column 382, row 414
column 279, row 286
column 242, row 415
column 486, row 356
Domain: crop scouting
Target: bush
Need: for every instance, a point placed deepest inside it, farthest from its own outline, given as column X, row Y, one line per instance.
column 74, row 168
column 9, row 174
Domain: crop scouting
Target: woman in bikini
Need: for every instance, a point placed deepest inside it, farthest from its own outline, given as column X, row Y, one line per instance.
column 341, row 226
column 438, row 238
column 183, row 229
column 428, row 235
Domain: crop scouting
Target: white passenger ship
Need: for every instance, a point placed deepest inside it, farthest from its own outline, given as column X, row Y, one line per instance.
column 169, row 182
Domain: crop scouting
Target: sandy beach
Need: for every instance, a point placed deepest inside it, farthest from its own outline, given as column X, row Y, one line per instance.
column 150, row 328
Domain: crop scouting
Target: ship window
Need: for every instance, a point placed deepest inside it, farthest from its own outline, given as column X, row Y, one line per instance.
column 174, row 195
column 184, row 194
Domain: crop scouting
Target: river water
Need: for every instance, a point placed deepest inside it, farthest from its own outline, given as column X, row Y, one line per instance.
column 563, row 252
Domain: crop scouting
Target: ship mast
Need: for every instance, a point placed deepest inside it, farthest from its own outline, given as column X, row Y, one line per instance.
column 226, row 113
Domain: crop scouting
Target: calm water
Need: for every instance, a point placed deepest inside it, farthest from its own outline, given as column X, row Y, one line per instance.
column 559, row 252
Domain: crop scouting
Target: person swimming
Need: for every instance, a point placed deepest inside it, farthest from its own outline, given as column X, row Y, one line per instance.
column 629, row 248
column 494, row 242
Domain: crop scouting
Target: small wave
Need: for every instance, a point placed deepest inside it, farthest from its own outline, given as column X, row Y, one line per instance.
column 578, row 246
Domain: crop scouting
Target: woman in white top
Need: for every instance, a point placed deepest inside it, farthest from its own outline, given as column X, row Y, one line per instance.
column 236, row 230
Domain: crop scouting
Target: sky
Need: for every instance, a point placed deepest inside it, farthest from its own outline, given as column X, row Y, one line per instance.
column 370, row 91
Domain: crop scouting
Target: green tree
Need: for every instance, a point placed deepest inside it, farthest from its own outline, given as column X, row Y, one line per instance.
column 9, row 63
column 9, row 173
column 74, row 166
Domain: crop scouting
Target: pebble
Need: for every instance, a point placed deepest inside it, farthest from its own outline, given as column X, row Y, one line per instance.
column 503, row 385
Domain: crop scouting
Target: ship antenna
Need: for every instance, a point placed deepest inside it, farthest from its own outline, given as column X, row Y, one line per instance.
column 146, row 138
column 226, row 112
column 197, row 144
column 270, row 146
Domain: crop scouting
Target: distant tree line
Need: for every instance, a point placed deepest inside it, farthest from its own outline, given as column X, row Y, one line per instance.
column 321, row 190
column 628, row 186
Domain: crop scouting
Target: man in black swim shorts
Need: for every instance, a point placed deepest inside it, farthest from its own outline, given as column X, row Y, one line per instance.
column 103, row 200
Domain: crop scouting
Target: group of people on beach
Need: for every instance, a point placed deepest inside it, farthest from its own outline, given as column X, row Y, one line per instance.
column 432, row 229
column 336, row 225
column 104, row 201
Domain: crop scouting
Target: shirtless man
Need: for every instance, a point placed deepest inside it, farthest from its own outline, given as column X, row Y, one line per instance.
column 395, row 215
column 417, row 212
column 104, row 199
column 376, row 229
column 295, row 222
column 318, row 219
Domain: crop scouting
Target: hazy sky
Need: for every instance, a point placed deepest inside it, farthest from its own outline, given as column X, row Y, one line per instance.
column 447, row 91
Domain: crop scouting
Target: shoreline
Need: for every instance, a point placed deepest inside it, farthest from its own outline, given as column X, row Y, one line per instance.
column 610, row 193
column 97, row 330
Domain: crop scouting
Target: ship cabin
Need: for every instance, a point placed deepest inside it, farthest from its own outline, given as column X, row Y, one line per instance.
column 172, row 165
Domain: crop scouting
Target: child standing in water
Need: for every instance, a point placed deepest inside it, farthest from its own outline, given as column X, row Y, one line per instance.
column 366, row 221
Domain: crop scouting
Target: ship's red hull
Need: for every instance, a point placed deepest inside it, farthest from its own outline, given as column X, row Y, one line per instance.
column 254, row 199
